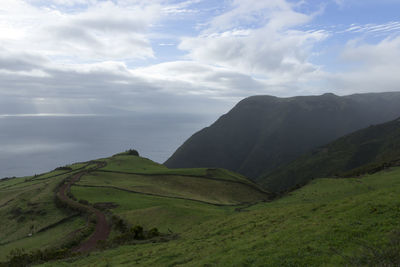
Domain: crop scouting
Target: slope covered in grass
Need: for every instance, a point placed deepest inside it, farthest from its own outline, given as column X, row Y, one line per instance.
column 27, row 208
column 165, row 213
column 139, row 191
column 361, row 151
column 134, row 164
column 329, row 222
column 209, row 190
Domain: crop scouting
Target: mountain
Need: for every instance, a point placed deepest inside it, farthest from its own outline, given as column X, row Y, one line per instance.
column 262, row 133
column 365, row 150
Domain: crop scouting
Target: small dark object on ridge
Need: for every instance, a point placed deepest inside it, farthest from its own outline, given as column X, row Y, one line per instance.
column 132, row 152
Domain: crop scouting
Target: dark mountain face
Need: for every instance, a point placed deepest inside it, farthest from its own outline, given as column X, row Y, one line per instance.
column 262, row 133
column 356, row 153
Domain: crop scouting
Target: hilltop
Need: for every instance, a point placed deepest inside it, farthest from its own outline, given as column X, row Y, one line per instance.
column 262, row 133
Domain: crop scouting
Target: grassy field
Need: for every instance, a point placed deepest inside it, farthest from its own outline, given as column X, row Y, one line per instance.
column 167, row 214
column 46, row 239
column 139, row 165
column 171, row 200
column 329, row 222
column 27, row 206
column 204, row 189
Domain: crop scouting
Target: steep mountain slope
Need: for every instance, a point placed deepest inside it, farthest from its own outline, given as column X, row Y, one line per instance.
column 262, row 133
column 364, row 150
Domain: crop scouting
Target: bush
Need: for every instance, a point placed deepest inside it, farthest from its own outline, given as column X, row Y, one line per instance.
column 153, row 233
column 137, row 232
column 119, row 224
column 18, row 257
column 132, row 152
column 83, row 202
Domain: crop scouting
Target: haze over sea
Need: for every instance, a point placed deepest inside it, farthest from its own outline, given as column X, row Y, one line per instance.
column 34, row 144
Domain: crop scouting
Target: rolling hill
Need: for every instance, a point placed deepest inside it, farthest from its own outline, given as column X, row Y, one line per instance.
column 155, row 216
column 369, row 149
column 329, row 222
column 60, row 211
column 262, row 133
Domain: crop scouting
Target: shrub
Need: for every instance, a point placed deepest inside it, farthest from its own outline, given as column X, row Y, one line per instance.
column 153, row 233
column 120, row 224
column 137, row 232
column 132, row 152
column 83, row 202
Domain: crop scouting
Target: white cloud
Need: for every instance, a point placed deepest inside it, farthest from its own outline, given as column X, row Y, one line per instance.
column 385, row 28
column 257, row 38
column 370, row 67
column 76, row 58
column 189, row 77
column 99, row 31
column 277, row 14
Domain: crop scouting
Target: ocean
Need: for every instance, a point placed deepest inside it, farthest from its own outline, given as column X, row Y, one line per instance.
column 35, row 144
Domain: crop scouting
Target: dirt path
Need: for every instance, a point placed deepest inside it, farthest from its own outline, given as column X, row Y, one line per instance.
column 102, row 229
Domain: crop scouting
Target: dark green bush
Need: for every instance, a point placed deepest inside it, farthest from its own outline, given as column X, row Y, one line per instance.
column 83, row 202
column 132, row 152
column 137, row 232
column 153, row 233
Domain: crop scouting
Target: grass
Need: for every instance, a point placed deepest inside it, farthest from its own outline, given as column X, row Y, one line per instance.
column 139, row 165
column 205, row 189
column 164, row 213
column 46, row 239
column 322, row 224
column 27, row 206
column 329, row 222
column 363, row 151
column 187, row 197
column 125, row 163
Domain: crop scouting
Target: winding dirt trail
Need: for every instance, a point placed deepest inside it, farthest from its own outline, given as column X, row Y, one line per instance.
column 102, row 229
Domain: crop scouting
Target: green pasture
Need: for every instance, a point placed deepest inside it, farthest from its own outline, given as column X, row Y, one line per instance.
column 329, row 222
column 196, row 188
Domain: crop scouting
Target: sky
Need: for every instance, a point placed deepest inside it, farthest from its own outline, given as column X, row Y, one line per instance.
column 191, row 56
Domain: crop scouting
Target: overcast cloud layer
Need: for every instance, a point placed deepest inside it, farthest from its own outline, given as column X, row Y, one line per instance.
column 197, row 56
column 83, row 79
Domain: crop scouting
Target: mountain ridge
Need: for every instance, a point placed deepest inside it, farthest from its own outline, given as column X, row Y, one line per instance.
column 262, row 133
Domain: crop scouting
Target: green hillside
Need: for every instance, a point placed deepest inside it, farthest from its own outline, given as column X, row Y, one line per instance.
column 126, row 188
column 262, row 133
column 203, row 217
column 329, row 222
column 362, row 151
column 29, row 216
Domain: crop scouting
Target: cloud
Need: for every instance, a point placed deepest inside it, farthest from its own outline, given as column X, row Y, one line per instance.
column 277, row 14
column 385, row 28
column 110, row 87
column 369, row 67
column 98, row 31
column 79, row 53
column 257, row 38
column 193, row 78
column 76, row 57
